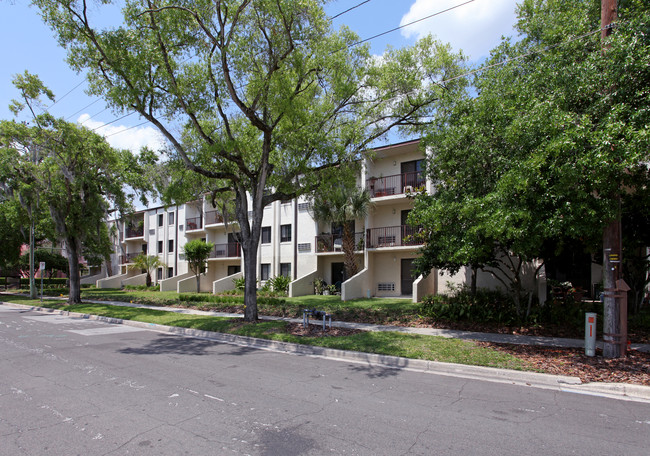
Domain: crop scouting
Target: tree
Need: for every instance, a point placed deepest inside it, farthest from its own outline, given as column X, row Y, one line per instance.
column 54, row 261
column 542, row 153
column 260, row 97
column 341, row 203
column 147, row 263
column 196, row 255
column 72, row 171
column 12, row 238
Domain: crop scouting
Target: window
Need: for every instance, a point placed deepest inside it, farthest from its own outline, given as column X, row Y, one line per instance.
column 266, row 235
column 285, row 233
column 144, row 248
column 159, row 274
column 170, row 272
column 170, row 246
column 233, row 270
column 285, row 269
column 171, row 218
column 160, row 246
column 265, row 271
column 161, row 219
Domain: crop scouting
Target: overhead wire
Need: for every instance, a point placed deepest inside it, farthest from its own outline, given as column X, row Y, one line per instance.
column 66, row 94
column 350, row 9
column 406, row 25
column 338, row 50
column 85, row 107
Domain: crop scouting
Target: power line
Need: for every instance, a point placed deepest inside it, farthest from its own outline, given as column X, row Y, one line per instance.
column 338, row 50
column 406, row 25
column 66, row 94
column 350, row 9
column 85, row 107
column 122, row 131
column 114, row 120
column 97, row 113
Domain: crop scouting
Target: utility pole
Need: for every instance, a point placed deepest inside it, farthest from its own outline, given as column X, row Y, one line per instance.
column 614, row 302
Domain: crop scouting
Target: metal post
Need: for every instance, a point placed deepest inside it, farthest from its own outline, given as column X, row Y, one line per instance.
column 590, row 334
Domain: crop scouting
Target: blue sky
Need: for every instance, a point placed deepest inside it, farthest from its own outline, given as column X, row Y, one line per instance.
column 28, row 44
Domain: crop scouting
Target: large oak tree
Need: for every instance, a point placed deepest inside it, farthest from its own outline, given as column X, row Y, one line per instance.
column 260, row 96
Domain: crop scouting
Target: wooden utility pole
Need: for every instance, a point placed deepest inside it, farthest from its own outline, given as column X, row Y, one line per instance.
column 615, row 308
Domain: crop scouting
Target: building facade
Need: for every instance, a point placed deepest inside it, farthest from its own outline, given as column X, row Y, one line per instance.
column 293, row 244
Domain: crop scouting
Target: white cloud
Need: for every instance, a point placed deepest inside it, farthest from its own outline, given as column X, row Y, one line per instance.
column 120, row 138
column 475, row 27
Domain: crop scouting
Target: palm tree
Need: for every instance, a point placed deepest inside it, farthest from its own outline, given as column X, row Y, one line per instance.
column 342, row 204
column 148, row 263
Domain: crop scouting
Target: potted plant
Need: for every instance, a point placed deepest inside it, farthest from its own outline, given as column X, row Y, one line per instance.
column 319, row 286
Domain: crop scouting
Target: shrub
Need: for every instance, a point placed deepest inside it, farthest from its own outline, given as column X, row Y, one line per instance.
column 62, row 281
column 486, row 306
column 280, row 284
column 240, row 283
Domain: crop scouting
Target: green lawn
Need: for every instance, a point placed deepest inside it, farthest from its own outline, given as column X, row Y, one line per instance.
column 385, row 343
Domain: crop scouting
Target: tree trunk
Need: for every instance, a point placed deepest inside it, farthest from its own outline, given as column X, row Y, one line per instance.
column 351, row 267
column 72, row 246
column 198, row 283
column 473, row 282
column 250, row 238
column 148, row 279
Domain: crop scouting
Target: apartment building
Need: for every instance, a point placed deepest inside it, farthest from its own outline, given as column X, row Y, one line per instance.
column 292, row 243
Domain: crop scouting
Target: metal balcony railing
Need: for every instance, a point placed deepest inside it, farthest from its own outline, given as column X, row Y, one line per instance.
column 228, row 250
column 391, row 236
column 397, row 184
column 193, row 223
column 213, row 217
column 128, row 258
column 334, row 242
column 134, row 231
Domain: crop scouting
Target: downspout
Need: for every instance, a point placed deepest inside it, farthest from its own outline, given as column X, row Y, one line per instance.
column 176, row 246
column 294, row 269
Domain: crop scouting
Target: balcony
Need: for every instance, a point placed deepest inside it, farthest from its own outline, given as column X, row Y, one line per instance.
column 334, row 242
column 129, row 257
column 134, row 231
column 397, row 184
column 193, row 223
column 391, row 236
column 213, row 217
column 229, row 250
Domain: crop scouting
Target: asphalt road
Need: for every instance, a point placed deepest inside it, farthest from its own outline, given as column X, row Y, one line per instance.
column 74, row 386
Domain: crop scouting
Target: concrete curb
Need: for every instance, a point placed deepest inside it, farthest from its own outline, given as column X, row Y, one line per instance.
column 621, row 391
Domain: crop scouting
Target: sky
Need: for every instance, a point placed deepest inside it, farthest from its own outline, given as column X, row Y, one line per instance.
column 474, row 27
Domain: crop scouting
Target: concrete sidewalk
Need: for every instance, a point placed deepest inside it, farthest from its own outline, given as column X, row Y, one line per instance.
column 449, row 333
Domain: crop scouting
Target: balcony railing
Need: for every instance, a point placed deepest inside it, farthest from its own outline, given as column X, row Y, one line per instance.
column 391, row 236
column 129, row 257
column 397, row 184
column 334, row 242
column 229, row 250
column 193, row 223
column 134, row 231
column 213, row 217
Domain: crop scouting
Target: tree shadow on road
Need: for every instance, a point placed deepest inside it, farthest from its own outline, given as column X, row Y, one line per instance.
column 166, row 344
column 375, row 371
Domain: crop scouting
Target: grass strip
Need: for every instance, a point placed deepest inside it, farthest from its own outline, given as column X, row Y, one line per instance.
column 433, row 348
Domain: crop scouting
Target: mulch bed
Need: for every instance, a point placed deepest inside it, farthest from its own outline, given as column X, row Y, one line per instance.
column 634, row 368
